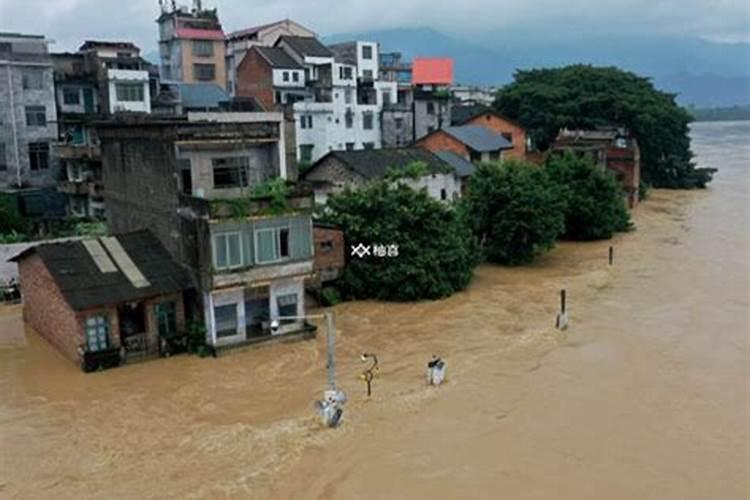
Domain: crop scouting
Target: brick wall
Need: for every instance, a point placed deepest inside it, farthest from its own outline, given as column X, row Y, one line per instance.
column 503, row 126
column 45, row 309
column 255, row 79
column 330, row 252
column 441, row 141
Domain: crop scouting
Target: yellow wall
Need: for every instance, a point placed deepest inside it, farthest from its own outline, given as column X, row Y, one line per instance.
column 217, row 60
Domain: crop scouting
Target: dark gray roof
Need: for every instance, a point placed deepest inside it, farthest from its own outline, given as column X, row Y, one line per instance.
column 479, row 138
column 277, row 57
column 462, row 113
column 375, row 163
column 462, row 166
column 202, row 95
column 306, row 46
column 84, row 286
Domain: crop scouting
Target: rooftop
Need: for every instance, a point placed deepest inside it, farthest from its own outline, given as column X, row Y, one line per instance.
column 432, row 71
column 375, row 163
column 104, row 44
column 478, row 138
column 462, row 166
column 277, row 57
column 111, row 270
column 306, row 46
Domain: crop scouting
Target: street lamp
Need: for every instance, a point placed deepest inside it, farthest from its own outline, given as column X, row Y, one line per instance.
column 330, row 408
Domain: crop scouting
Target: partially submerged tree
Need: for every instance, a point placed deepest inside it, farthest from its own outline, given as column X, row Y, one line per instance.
column 581, row 96
column 437, row 251
column 595, row 206
column 516, row 211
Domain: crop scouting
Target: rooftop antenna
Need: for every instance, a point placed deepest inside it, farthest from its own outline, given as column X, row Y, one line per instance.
column 198, row 5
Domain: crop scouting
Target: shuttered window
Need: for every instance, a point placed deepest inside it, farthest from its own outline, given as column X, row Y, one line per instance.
column 97, row 330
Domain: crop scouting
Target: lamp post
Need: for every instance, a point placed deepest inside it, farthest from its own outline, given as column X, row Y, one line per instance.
column 330, row 407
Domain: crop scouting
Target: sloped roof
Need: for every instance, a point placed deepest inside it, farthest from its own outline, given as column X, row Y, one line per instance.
column 277, row 57
column 200, row 34
column 306, row 46
column 202, row 95
column 432, row 71
column 375, row 163
column 254, row 30
column 84, row 285
column 462, row 166
column 460, row 114
column 478, row 138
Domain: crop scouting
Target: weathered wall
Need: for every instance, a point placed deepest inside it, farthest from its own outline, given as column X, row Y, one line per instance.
column 330, row 252
column 441, row 141
column 505, row 128
column 255, row 79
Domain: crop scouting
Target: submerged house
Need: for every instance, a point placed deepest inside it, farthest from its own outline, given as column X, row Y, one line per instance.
column 106, row 301
column 443, row 179
column 613, row 148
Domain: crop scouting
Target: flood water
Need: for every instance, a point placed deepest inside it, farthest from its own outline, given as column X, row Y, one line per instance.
column 646, row 395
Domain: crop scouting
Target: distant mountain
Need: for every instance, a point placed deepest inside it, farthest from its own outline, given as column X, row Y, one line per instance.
column 702, row 73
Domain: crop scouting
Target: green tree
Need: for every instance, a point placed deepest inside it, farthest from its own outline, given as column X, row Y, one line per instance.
column 595, row 206
column 516, row 211
column 437, row 251
column 582, row 96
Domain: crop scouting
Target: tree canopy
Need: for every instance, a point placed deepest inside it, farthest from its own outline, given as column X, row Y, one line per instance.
column 582, row 96
column 437, row 251
column 594, row 203
column 516, row 211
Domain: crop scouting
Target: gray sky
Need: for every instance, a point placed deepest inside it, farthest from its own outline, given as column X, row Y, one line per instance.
column 68, row 22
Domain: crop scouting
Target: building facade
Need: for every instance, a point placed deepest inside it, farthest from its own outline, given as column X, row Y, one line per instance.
column 474, row 143
column 397, row 117
column 432, row 78
column 194, row 182
column 191, row 45
column 28, row 113
column 486, row 117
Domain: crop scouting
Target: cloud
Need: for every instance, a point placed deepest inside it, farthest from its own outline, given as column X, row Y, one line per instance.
column 69, row 22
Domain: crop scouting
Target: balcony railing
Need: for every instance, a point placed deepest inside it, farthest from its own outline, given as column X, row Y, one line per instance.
column 67, row 151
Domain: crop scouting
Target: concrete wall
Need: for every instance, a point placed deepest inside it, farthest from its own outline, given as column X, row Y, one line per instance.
column 425, row 122
column 217, row 59
column 441, row 187
column 115, row 76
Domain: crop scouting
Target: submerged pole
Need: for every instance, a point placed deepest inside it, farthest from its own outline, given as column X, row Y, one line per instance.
column 611, row 255
column 331, row 342
column 562, row 301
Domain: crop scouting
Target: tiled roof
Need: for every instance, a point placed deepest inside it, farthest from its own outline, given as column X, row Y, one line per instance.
column 202, row 95
column 84, row 285
column 432, row 71
column 306, row 46
column 479, row 138
column 277, row 58
column 462, row 113
column 462, row 166
column 375, row 163
column 199, row 34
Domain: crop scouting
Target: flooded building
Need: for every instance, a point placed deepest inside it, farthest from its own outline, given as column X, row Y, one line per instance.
column 474, row 143
column 613, row 148
column 213, row 188
column 441, row 176
column 330, row 253
column 105, row 301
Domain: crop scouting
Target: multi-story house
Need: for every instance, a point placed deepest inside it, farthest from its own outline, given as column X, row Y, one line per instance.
column 334, row 93
column 28, row 118
column 397, row 116
column 100, row 80
column 432, row 79
column 198, row 184
column 191, row 45
column 266, row 35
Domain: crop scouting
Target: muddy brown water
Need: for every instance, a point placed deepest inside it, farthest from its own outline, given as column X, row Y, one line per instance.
column 646, row 395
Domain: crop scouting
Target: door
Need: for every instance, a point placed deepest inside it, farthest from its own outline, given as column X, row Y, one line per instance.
column 88, row 100
column 166, row 319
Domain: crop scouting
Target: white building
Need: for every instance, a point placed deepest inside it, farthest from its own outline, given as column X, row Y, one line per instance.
column 128, row 91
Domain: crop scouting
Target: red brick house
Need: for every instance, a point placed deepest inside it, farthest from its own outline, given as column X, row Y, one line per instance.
column 613, row 148
column 487, row 117
column 330, row 252
column 270, row 76
column 104, row 301
column 472, row 142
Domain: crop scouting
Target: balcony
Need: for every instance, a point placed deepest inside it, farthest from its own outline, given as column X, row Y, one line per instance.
column 66, row 151
column 90, row 188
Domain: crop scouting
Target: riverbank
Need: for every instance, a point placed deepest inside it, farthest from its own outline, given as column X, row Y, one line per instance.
column 645, row 396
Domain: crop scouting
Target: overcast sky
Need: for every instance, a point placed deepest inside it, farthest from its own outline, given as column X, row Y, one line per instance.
column 68, row 22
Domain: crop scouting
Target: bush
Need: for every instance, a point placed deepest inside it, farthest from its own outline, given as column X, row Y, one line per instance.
column 516, row 211
column 330, row 296
column 594, row 202
column 436, row 249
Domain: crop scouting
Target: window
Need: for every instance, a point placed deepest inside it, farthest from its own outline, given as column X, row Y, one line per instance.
column 231, row 172
column 367, row 52
column 71, row 96
column 204, row 72
column 386, row 98
column 349, row 118
column 348, row 96
column 227, row 250
column 508, row 136
column 443, row 194
column 225, row 318
column 295, row 76
column 271, row 244
column 399, row 123
column 39, row 155
column 305, row 153
column 430, row 129
column 256, row 313
column 367, row 119
column 203, row 48
column 129, row 92
column 430, row 108
column 326, row 246
column 350, row 146
column 368, row 145
column 287, row 306
column 97, row 333
column 3, row 158
column 367, row 74
column 33, row 79
column 36, row 116
column 306, row 121
column 285, row 76
column 345, row 72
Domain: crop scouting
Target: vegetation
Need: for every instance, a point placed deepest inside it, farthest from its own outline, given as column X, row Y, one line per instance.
column 275, row 191
column 581, row 96
column 436, row 249
column 594, row 204
column 196, row 339
column 330, row 296
column 516, row 211
column 14, row 229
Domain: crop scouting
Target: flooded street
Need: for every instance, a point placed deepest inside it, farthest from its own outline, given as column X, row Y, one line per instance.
column 646, row 395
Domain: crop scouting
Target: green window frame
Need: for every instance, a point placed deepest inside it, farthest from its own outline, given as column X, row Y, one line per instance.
column 97, row 333
column 272, row 244
column 166, row 318
column 227, row 250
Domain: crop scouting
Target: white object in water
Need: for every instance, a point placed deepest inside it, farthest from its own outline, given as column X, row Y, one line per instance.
column 436, row 371
column 330, row 408
column 562, row 321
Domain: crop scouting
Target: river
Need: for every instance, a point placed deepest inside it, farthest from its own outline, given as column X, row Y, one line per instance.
column 646, row 395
